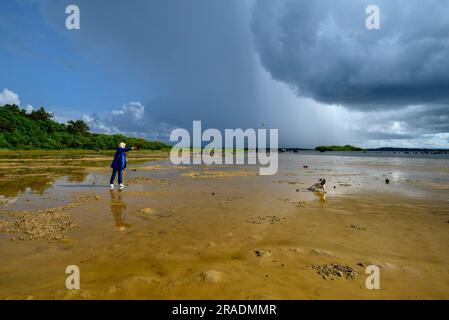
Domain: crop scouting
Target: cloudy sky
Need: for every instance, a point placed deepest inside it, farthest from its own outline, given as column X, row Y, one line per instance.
column 307, row 67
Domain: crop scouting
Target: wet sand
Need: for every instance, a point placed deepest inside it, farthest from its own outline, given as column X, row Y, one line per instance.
column 223, row 232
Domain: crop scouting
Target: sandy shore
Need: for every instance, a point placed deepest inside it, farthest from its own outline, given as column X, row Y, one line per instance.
column 223, row 232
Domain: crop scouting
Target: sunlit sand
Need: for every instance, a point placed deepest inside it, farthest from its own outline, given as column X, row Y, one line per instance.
column 205, row 232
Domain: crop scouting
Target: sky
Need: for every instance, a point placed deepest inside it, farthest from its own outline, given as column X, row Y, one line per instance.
column 310, row 69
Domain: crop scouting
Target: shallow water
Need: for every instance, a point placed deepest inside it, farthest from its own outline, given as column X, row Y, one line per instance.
column 211, row 220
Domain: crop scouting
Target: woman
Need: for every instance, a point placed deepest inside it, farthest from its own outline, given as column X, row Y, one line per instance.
column 118, row 165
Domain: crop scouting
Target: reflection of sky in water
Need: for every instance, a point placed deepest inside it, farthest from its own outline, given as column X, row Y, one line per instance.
column 347, row 171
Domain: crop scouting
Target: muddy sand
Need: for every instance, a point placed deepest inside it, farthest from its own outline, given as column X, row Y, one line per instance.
column 224, row 232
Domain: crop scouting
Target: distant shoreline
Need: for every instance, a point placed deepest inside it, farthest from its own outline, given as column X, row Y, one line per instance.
column 383, row 149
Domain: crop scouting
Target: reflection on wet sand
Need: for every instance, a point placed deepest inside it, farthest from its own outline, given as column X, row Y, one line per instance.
column 14, row 187
column 77, row 177
column 22, row 171
column 321, row 196
column 118, row 210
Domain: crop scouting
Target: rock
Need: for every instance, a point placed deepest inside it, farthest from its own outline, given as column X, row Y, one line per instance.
column 387, row 181
column 145, row 211
column 50, row 224
column 262, row 253
column 211, row 276
column 354, row 226
column 266, row 219
column 329, row 270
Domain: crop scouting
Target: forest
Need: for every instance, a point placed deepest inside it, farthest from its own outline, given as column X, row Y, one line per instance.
column 38, row 130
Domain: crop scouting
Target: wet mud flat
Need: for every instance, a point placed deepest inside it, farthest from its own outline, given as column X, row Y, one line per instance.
column 224, row 232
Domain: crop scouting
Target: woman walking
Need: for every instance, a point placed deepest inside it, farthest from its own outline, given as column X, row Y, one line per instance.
column 118, row 165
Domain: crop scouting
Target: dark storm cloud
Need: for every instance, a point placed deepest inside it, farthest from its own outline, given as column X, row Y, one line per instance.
column 196, row 57
column 213, row 61
column 429, row 119
column 197, row 61
column 323, row 50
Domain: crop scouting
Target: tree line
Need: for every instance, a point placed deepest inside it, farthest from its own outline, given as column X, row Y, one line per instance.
column 38, row 130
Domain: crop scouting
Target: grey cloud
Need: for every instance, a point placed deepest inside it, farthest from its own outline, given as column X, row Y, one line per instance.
column 323, row 50
column 423, row 126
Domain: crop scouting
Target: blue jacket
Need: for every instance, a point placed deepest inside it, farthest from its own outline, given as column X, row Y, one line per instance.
column 119, row 162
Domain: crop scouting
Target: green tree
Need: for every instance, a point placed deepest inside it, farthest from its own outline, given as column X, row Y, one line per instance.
column 77, row 127
column 19, row 130
column 41, row 114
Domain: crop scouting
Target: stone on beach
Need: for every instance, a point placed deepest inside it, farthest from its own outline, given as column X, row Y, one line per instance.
column 211, row 276
column 261, row 253
column 145, row 211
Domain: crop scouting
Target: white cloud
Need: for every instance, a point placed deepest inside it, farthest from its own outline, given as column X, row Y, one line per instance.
column 96, row 124
column 134, row 110
column 29, row 108
column 9, row 97
column 131, row 120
